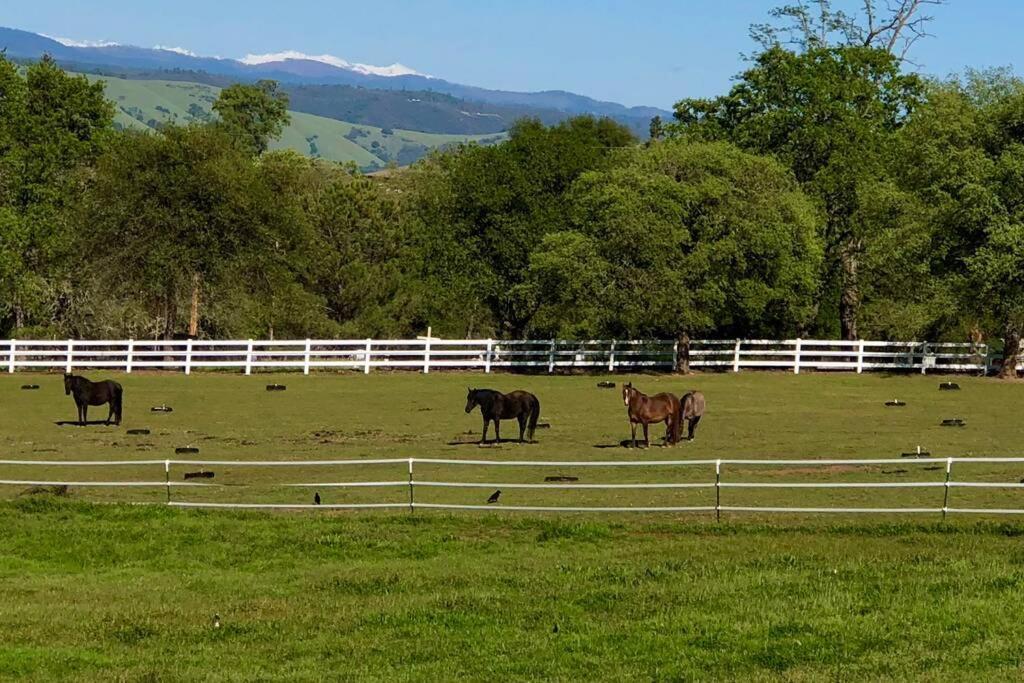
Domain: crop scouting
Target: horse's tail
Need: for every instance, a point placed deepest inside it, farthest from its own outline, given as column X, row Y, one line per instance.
column 118, row 394
column 677, row 422
column 534, row 414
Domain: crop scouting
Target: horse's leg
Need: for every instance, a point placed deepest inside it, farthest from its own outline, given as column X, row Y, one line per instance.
column 483, row 439
column 110, row 413
column 632, row 426
column 85, row 414
column 693, row 426
column 497, row 431
column 647, row 440
column 522, row 426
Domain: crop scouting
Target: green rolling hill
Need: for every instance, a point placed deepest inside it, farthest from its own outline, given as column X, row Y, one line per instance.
column 148, row 104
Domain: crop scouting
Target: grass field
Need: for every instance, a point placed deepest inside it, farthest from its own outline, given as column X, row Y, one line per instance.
column 112, row 592
column 142, row 103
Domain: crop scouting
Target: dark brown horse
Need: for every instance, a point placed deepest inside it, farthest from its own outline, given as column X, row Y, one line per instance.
column 645, row 410
column 693, row 409
column 497, row 406
column 88, row 393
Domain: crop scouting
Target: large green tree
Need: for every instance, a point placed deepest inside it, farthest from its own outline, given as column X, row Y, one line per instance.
column 482, row 211
column 829, row 114
column 181, row 220
column 682, row 238
column 253, row 114
column 963, row 154
column 52, row 125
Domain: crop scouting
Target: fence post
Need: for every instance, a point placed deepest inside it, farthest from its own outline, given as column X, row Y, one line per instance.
column 924, row 352
column 860, row 357
column 988, row 358
column 71, row 351
column 412, row 503
column 487, row 360
column 167, row 479
column 426, row 355
column 130, row 356
column 188, row 357
column 718, row 490
column 796, row 358
column 366, row 357
column 305, row 359
column 945, row 494
column 736, row 357
column 248, row 358
column 551, row 357
column 10, row 362
column 675, row 356
column 611, row 357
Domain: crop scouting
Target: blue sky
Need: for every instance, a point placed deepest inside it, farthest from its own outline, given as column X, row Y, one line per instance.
column 642, row 52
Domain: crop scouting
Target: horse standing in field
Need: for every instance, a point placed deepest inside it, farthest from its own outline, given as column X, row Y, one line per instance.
column 88, row 393
column 645, row 410
column 693, row 410
column 497, row 406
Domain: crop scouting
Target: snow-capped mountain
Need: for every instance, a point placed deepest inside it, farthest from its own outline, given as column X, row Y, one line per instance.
column 395, row 69
column 298, row 68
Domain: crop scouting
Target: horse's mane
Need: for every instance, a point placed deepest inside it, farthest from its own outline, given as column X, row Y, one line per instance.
column 482, row 395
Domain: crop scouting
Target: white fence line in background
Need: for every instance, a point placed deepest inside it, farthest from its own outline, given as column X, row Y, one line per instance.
column 486, row 354
column 411, row 483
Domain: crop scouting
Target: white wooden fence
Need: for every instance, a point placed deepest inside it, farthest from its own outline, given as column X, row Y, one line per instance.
column 715, row 469
column 489, row 354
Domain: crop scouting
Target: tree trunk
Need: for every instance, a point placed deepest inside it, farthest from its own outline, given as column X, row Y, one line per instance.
column 683, row 361
column 170, row 312
column 19, row 317
column 193, row 318
column 849, row 300
column 1011, row 351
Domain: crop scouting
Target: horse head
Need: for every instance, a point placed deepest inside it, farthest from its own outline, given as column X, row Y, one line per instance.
column 67, row 384
column 470, row 399
column 627, row 393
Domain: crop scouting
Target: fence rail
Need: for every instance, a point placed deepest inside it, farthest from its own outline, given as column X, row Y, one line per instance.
column 715, row 470
column 489, row 354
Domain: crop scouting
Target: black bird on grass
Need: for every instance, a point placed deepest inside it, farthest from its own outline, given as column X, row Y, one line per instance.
column 316, row 498
column 494, row 497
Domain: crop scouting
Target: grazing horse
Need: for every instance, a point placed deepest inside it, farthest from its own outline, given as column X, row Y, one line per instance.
column 496, row 406
column 645, row 410
column 693, row 409
column 88, row 393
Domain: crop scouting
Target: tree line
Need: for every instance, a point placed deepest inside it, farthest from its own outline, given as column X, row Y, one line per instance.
column 831, row 192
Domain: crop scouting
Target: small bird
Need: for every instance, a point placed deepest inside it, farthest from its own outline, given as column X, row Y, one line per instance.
column 316, row 498
column 494, row 497
column 216, row 621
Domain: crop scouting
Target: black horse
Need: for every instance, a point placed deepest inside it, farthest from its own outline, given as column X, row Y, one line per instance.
column 496, row 406
column 88, row 393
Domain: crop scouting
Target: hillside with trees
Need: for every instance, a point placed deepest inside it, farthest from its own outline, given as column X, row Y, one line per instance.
column 831, row 192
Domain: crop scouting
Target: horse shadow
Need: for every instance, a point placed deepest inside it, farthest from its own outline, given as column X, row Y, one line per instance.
column 628, row 443
column 89, row 423
column 490, row 443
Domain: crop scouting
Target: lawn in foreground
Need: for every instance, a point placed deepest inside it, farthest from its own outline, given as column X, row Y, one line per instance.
column 101, row 592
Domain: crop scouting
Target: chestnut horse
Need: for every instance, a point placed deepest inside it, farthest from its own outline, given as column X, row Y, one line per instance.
column 645, row 410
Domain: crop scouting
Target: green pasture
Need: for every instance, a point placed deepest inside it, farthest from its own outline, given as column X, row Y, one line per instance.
column 402, row 415
column 98, row 592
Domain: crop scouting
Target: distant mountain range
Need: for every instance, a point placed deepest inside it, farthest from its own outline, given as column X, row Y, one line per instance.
column 389, row 96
